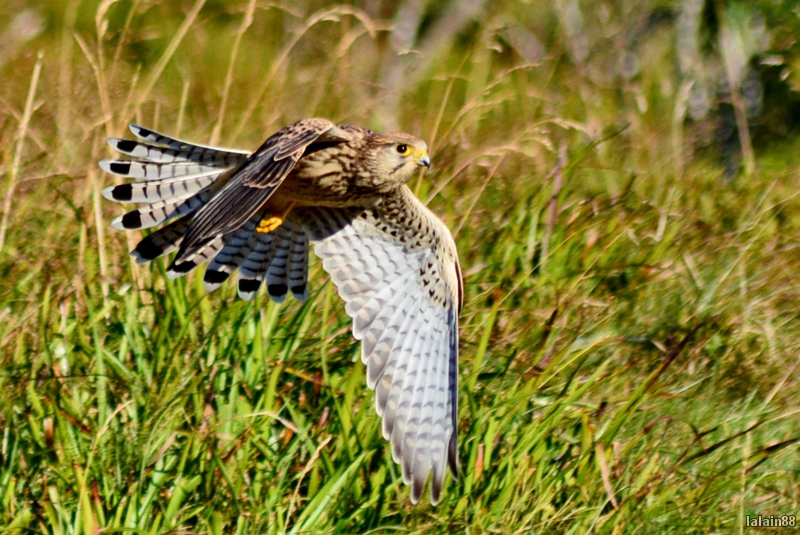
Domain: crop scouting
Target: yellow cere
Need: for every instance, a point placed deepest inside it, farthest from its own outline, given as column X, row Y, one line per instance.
column 419, row 154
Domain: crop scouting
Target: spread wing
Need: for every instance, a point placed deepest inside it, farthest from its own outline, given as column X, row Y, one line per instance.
column 246, row 188
column 396, row 268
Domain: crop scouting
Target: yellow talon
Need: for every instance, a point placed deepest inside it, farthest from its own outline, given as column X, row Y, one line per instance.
column 269, row 223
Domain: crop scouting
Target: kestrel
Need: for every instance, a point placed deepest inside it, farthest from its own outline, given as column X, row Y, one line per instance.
column 342, row 188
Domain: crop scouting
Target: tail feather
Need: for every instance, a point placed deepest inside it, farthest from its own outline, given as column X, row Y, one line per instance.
column 157, row 170
column 158, row 190
column 206, row 253
column 288, row 270
column 173, row 143
column 161, row 242
column 159, row 212
column 174, row 178
column 298, row 266
column 277, row 286
column 237, row 249
column 254, row 267
column 155, row 153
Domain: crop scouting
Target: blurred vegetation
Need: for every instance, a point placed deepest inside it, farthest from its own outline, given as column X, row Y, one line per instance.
column 622, row 180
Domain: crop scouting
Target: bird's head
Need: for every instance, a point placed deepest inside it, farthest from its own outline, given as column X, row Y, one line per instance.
column 397, row 156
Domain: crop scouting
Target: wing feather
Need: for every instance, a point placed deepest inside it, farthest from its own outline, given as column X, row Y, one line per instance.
column 288, row 270
column 203, row 255
column 422, row 412
column 378, row 342
column 158, row 190
column 159, row 212
column 406, row 381
column 156, row 171
column 400, row 291
column 391, row 346
column 236, row 251
column 252, row 184
column 208, row 156
column 174, row 143
column 275, row 271
column 161, row 242
column 367, row 309
column 297, row 270
column 438, row 425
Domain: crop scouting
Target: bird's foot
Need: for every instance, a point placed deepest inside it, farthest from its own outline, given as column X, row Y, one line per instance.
column 270, row 220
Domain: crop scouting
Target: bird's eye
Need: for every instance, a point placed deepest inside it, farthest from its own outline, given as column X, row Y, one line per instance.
column 403, row 149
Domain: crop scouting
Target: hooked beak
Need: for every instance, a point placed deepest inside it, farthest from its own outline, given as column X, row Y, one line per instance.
column 424, row 160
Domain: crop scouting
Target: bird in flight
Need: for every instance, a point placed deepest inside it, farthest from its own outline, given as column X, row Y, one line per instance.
column 342, row 188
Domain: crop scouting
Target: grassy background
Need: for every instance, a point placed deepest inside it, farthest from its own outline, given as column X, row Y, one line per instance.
column 629, row 341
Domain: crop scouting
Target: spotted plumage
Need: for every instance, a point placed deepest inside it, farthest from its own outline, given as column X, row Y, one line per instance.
column 343, row 189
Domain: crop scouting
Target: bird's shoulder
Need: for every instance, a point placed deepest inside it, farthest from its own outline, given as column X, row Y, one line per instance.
column 403, row 220
column 358, row 133
column 401, row 216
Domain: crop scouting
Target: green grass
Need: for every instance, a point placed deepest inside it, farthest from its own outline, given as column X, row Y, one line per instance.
column 629, row 340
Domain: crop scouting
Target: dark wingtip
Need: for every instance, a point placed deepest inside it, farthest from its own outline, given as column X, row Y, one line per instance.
column 436, row 491
column 452, row 454
column 213, row 276
column 126, row 145
column 417, row 487
column 183, row 267
column 144, row 132
column 147, row 250
column 123, row 192
column 277, row 290
column 120, row 168
column 132, row 220
column 415, row 494
column 249, row 285
column 300, row 289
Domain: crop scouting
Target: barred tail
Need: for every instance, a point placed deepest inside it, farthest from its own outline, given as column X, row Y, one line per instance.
column 173, row 179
